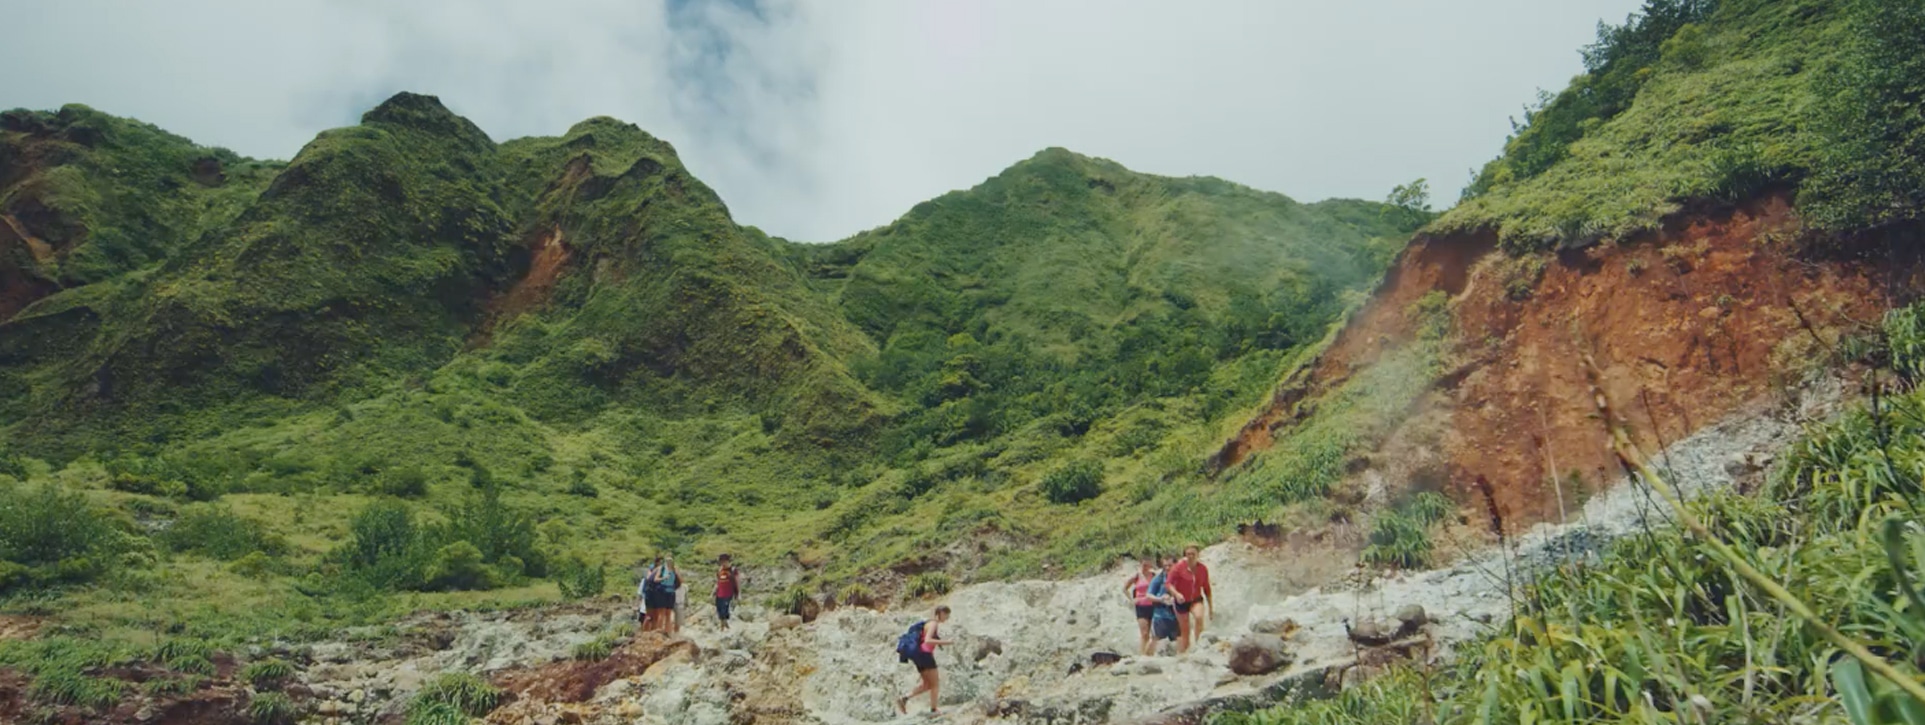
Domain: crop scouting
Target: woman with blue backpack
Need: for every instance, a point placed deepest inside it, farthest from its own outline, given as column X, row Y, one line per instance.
column 918, row 647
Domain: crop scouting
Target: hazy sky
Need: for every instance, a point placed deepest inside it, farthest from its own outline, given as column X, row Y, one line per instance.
column 815, row 119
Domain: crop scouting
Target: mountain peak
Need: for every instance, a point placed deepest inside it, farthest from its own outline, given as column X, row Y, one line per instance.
column 423, row 112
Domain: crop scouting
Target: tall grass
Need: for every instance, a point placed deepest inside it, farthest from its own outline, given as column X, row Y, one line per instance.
column 1764, row 613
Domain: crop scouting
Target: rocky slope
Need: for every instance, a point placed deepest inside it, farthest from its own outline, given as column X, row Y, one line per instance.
column 1028, row 652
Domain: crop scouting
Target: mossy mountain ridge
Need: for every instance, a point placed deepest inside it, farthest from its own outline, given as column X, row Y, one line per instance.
column 410, row 308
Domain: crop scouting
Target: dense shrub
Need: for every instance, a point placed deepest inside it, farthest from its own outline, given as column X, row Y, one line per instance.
column 384, row 545
column 1873, row 170
column 50, row 535
column 458, row 566
column 500, row 532
column 1073, row 482
column 483, row 545
column 404, row 482
column 578, row 580
column 218, row 532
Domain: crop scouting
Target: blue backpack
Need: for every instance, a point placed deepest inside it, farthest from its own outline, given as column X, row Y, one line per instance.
column 910, row 643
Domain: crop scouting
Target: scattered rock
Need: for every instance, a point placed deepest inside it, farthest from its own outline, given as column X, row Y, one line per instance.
column 988, row 646
column 1369, row 632
column 786, row 621
column 1278, row 627
column 1410, row 618
column 1099, row 659
column 1258, row 654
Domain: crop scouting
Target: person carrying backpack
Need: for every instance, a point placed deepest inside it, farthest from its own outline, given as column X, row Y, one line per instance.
column 671, row 582
column 727, row 582
column 651, row 592
column 918, row 647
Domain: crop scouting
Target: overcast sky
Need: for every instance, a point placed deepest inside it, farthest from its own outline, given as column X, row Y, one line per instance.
column 815, row 119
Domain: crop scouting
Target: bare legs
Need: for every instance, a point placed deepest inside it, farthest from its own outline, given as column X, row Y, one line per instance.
column 931, row 683
column 1182, row 632
column 1144, row 643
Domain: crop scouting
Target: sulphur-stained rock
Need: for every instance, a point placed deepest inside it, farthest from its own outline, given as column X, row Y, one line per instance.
column 1258, row 654
column 786, row 621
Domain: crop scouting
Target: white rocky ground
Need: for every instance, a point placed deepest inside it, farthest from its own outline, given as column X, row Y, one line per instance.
column 1025, row 649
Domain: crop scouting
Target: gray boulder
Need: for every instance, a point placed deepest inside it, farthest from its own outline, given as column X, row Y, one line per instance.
column 1259, row 654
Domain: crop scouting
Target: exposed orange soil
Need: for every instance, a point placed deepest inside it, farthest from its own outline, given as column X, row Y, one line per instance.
column 558, row 688
column 1683, row 324
column 19, row 287
column 548, row 258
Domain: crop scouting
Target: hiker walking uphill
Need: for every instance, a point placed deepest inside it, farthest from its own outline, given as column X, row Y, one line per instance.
column 1139, row 589
column 918, row 647
column 648, row 591
column 727, row 582
column 1204, row 596
column 1184, row 589
column 658, row 595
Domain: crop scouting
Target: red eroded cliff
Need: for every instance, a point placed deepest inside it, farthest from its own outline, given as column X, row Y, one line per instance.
column 1686, row 324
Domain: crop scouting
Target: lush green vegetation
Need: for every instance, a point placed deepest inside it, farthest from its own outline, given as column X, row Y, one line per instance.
column 1695, row 101
column 335, row 399
column 1664, row 628
column 110, row 195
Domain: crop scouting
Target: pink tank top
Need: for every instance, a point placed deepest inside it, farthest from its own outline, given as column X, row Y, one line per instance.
column 1143, row 592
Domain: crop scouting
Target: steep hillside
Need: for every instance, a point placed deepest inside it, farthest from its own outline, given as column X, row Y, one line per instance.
column 416, row 359
column 86, row 197
column 1622, row 228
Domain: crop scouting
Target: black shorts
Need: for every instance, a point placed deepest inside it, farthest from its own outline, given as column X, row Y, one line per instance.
column 722, row 607
column 1145, row 611
column 1183, row 607
column 924, row 661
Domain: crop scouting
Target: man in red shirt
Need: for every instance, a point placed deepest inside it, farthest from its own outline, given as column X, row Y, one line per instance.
column 1182, row 583
column 1205, row 596
column 726, row 585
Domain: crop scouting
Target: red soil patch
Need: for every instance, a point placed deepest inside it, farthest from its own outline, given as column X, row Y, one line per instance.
column 1683, row 324
column 19, row 286
column 548, row 258
column 568, row 681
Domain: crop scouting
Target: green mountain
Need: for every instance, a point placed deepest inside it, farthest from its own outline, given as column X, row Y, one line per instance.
column 572, row 334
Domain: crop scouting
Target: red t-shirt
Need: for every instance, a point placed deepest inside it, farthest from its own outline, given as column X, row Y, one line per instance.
column 1203, row 580
column 725, row 583
column 1183, row 581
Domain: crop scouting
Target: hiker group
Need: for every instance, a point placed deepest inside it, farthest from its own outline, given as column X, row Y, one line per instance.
column 1173, row 603
column 661, row 588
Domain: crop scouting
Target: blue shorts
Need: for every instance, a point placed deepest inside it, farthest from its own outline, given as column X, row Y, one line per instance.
column 722, row 607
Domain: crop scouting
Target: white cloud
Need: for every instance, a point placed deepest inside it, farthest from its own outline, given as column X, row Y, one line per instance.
column 817, row 118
